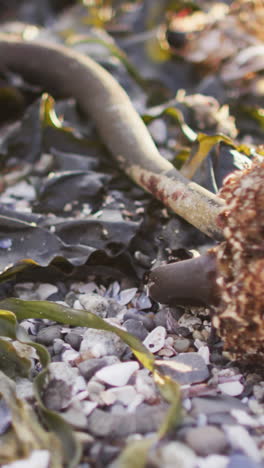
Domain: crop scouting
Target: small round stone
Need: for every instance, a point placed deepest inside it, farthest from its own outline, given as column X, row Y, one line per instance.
column 206, row 440
column 47, row 335
column 181, row 344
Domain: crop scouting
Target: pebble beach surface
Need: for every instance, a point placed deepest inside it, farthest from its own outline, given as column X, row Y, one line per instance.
column 97, row 386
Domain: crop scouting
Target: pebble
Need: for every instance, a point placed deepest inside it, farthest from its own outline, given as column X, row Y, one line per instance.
column 142, row 421
column 89, row 367
column 145, row 385
column 126, row 296
column 59, row 345
column 160, row 318
column 25, row 389
column 240, row 439
column 155, row 339
column 213, row 461
column 125, row 395
column 117, row 375
column 241, row 461
column 94, row 303
column 75, row 416
column 206, row 440
column 74, row 339
column 45, row 290
column 204, row 352
column 244, row 418
column 173, row 454
column 39, row 458
column 95, row 389
column 57, row 395
column 136, row 328
column 181, row 344
column 145, row 318
column 215, row 404
column 186, row 368
column 99, row 343
column 47, row 335
column 231, row 388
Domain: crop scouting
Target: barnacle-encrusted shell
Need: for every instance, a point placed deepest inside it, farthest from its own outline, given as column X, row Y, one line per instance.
column 239, row 318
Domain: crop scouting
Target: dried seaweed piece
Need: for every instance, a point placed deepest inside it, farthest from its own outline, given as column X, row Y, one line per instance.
column 69, row 73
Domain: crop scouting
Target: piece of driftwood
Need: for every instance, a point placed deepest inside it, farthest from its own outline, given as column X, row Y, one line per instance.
column 65, row 72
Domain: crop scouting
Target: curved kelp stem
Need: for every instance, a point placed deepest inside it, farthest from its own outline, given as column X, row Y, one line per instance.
column 66, row 72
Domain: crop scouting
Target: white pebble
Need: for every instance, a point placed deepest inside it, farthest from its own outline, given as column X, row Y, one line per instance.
column 213, row 461
column 205, row 354
column 240, row 439
column 45, row 290
column 244, row 418
column 117, row 375
column 125, row 395
column 155, row 339
column 39, row 458
column 88, row 407
column 231, row 388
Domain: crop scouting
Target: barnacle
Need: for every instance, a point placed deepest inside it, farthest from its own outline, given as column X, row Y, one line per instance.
column 240, row 264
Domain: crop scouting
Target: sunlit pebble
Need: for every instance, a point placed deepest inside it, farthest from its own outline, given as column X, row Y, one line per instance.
column 231, row 388
column 119, row 374
column 155, row 339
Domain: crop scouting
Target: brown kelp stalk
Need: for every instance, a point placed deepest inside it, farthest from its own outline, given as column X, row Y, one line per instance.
column 230, row 275
column 66, row 72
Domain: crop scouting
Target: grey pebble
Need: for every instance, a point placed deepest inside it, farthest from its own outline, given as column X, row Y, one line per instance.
column 215, row 404
column 146, row 318
column 70, row 298
column 75, row 416
column 57, row 395
column 74, row 339
column 143, row 420
column 206, row 440
column 59, row 346
column 160, row 318
column 47, row 335
column 221, row 418
column 136, row 328
column 181, row 344
column 90, row 366
column 186, row 368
